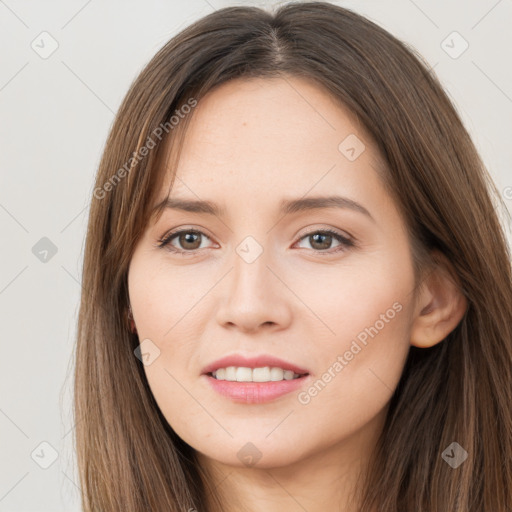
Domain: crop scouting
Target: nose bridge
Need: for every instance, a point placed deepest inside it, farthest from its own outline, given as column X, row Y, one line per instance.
column 250, row 273
column 253, row 297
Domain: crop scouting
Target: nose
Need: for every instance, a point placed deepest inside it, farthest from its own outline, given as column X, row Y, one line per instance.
column 255, row 296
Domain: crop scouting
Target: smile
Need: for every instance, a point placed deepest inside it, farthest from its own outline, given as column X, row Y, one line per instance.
column 254, row 379
column 263, row 374
column 246, row 389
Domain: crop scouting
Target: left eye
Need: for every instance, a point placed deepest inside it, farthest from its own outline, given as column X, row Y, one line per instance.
column 325, row 237
column 190, row 240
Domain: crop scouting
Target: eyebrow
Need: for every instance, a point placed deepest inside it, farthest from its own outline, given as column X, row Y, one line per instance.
column 287, row 206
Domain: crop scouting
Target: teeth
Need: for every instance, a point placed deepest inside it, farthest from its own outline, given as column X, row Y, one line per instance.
column 261, row 374
column 243, row 374
column 221, row 374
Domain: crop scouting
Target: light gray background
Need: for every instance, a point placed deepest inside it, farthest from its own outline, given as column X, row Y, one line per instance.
column 55, row 114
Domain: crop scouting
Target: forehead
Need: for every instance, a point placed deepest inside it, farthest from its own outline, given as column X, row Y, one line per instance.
column 269, row 136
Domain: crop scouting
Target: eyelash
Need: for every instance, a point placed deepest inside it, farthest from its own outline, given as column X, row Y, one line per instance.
column 344, row 241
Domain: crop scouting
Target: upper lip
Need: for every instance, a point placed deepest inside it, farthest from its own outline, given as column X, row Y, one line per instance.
column 258, row 361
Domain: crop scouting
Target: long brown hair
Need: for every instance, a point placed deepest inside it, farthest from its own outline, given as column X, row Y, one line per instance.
column 460, row 390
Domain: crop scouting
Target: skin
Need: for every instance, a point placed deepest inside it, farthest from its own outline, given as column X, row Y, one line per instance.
column 250, row 145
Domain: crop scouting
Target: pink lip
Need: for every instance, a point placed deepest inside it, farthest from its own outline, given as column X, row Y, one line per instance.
column 254, row 392
column 252, row 362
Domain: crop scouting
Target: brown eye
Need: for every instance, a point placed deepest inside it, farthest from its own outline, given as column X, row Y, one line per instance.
column 188, row 241
column 321, row 240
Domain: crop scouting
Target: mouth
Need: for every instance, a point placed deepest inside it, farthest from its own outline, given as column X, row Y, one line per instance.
column 260, row 374
column 266, row 366
column 254, row 380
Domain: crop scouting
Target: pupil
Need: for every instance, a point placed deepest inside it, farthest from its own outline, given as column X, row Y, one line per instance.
column 189, row 238
column 324, row 236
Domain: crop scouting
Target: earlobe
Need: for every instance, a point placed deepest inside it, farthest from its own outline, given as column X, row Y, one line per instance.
column 440, row 305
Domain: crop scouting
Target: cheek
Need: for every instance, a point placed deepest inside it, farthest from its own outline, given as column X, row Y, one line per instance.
column 356, row 299
column 367, row 310
column 163, row 296
column 164, row 300
column 363, row 315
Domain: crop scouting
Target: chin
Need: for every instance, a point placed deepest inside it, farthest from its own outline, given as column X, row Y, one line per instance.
column 244, row 451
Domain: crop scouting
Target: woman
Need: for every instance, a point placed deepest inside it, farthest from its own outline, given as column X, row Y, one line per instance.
column 297, row 293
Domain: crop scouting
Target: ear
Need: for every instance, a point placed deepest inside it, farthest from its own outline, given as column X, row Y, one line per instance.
column 440, row 304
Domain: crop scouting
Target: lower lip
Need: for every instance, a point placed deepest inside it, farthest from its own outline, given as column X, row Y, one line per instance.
column 255, row 392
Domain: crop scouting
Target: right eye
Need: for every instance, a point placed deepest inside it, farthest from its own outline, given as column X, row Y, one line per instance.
column 187, row 238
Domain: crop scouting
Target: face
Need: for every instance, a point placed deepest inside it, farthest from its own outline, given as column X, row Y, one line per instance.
column 321, row 290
